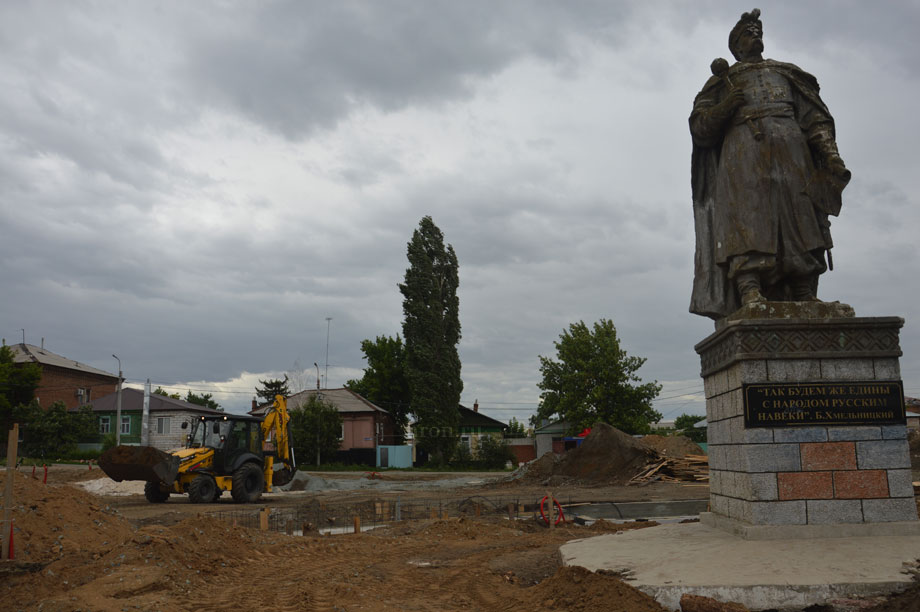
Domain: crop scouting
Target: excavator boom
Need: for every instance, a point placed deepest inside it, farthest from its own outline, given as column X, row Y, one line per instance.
column 277, row 444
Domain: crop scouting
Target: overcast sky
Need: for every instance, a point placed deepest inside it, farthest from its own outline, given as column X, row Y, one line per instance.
column 197, row 186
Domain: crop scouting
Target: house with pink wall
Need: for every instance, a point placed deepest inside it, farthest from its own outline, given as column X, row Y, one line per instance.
column 365, row 426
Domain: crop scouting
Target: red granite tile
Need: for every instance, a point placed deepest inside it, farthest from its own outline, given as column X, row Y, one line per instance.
column 805, row 485
column 828, row 456
column 861, row 484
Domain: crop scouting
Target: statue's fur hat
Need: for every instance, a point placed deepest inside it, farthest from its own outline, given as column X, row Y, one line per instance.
column 746, row 20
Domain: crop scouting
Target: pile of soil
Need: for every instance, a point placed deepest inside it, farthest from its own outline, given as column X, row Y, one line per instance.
column 673, row 446
column 575, row 588
column 52, row 520
column 607, row 456
column 908, row 601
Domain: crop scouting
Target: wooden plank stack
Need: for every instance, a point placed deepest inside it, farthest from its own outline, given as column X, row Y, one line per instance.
column 689, row 469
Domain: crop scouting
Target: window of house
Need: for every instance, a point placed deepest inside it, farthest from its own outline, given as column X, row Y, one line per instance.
column 465, row 441
column 125, row 425
column 162, row 425
column 342, row 433
column 105, row 424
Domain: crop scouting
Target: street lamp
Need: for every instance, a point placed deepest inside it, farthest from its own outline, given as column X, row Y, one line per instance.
column 118, row 404
column 328, row 325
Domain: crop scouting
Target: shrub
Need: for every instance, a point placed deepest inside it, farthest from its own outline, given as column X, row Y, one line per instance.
column 109, row 440
column 494, row 453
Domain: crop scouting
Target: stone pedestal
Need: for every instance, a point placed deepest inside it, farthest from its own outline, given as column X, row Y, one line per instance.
column 812, row 475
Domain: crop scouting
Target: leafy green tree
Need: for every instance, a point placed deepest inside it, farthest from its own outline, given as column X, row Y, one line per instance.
column 515, row 429
column 205, row 399
column 55, row 432
column 385, row 382
column 272, row 387
column 316, row 426
column 165, row 393
column 17, row 387
column 684, row 424
column 494, row 453
column 431, row 328
column 594, row 380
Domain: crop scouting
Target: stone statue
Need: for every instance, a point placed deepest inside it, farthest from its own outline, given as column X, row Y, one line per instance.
column 766, row 174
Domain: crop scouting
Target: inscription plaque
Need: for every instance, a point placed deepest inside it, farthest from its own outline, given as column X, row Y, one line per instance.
column 815, row 404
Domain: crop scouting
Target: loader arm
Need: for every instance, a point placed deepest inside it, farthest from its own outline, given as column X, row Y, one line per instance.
column 277, row 444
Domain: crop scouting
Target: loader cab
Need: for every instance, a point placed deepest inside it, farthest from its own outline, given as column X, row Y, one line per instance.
column 235, row 440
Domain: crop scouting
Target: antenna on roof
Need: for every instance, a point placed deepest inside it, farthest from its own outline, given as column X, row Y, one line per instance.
column 23, row 335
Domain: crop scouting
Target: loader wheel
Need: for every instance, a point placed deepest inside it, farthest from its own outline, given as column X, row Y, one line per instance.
column 201, row 490
column 248, row 482
column 154, row 494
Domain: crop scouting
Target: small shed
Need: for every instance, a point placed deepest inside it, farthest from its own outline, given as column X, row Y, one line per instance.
column 553, row 437
column 394, row 456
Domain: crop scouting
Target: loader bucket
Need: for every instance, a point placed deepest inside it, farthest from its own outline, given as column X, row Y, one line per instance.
column 283, row 476
column 139, row 463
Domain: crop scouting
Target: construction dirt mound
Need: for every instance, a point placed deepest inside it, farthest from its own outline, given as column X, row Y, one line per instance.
column 673, row 446
column 575, row 588
column 52, row 520
column 607, row 456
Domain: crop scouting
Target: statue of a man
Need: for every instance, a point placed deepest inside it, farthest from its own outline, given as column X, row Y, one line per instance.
column 766, row 174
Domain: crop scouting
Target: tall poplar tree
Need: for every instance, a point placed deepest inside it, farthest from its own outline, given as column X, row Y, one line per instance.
column 431, row 328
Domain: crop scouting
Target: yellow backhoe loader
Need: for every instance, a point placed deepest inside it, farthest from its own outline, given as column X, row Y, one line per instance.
column 245, row 455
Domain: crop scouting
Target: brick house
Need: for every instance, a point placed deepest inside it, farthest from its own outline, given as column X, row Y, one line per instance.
column 63, row 379
column 365, row 426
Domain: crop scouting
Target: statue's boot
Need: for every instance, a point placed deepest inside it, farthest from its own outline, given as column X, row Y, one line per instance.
column 749, row 288
column 803, row 289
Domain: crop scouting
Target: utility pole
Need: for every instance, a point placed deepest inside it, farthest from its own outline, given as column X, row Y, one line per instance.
column 145, row 416
column 328, row 325
column 118, row 404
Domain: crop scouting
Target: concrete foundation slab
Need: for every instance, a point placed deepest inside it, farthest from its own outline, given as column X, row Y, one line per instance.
column 669, row 560
column 641, row 510
column 810, row 532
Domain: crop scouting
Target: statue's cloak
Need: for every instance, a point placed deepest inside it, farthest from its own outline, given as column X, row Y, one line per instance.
column 713, row 293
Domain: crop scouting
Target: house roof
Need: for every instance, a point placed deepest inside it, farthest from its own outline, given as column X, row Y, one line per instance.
column 557, row 427
column 473, row 418
column 28, row 353
column 133, row 400
column 912, row 404
column 345, row 400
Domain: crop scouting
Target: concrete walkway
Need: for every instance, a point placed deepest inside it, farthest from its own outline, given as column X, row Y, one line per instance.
column 669, row 560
